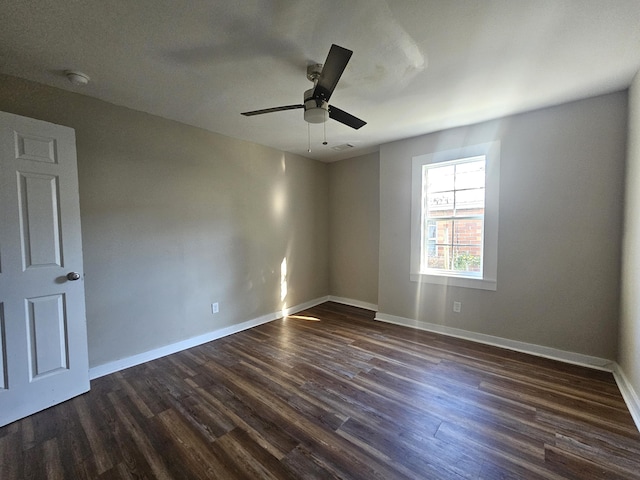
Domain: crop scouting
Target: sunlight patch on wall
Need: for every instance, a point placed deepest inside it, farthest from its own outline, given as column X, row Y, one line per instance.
column 283, row 279
column 279, row 202
column 283, row 285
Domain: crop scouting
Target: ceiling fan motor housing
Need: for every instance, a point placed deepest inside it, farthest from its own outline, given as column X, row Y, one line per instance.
column 316, row 110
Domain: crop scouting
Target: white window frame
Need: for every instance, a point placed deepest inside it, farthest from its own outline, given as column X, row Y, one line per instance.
column 487, row 280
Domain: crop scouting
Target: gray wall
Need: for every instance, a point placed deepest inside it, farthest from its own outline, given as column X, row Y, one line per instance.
column 354, row 228
column 174, row 218
column 629, row 356
column 561, row 184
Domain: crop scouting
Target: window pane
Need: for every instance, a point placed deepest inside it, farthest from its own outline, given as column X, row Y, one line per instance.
column 432, row 230
column 468, row 232
column 444, row 231
column 470, row 175
column 441, row 257
column 432, row 237
column 440, row 204
column 467, row 200
column 440, row 179
column 466, row 260
column 437, row 244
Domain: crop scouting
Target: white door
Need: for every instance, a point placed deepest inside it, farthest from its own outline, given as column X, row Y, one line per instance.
column 43, row 336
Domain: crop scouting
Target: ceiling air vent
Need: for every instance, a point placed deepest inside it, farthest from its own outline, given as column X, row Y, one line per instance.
column 339, row 148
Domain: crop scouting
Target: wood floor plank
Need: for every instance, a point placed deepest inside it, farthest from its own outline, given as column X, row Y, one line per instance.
column 614, row 419
column 329, row 393
column 301, row 459
column 250, row 458
column 140, row 438
column 509, row 460
column 305, row 404
column 139, row 388
column 27, row 433
column 52, row 461
column 100, row 453
column 73, row 444
column 624, row 460
column 267, row 435
column 196, row 454
column 406, row 451
column 576, row 467
column 10, row 455
column 33, row 467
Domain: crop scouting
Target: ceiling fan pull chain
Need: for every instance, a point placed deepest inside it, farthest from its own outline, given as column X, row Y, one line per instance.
column 309, row 136
column 324, row 125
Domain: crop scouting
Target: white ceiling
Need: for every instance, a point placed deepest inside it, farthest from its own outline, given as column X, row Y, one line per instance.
column 418, row 65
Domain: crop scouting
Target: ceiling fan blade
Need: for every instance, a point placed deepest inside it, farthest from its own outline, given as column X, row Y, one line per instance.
column 332, row 70
column 274, row 109
column 343, row 117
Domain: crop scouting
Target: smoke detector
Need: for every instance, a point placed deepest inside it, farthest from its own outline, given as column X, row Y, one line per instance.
column 77, row 78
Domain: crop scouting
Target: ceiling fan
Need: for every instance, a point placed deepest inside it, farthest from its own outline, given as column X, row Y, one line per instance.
column 325, row 78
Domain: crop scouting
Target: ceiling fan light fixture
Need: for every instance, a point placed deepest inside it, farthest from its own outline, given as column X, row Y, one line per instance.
column 315, row 111
column 316, row 115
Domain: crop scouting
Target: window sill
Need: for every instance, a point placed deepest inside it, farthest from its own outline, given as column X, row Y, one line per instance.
column 465, row 282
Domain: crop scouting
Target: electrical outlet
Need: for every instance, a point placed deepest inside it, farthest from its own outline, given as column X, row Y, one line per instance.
column 457, row 306
column 215, row 308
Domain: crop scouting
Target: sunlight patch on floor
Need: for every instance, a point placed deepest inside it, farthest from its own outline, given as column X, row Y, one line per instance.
column 303, row 317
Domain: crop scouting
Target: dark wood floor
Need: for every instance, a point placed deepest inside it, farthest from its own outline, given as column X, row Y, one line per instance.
column 330, row 393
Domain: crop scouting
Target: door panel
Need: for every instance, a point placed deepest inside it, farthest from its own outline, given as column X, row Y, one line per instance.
column 38, row 149
column 39, row 225
column 47, row 325
column 43, row 349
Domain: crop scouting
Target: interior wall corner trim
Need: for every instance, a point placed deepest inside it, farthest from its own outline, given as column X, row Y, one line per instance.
column 354, row 303
column 631, row 397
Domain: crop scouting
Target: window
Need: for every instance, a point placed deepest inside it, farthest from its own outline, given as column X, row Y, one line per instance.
column 453, row 205
column 455, row 217
column 432, row 238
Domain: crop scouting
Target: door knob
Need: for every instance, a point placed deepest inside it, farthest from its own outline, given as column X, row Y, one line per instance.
column 71, row 276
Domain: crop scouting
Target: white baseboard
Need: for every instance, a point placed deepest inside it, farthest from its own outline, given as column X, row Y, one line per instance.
column 530, row 348
column 302, row 306
column 631, row 398
column 353, row 303
column 117, row 365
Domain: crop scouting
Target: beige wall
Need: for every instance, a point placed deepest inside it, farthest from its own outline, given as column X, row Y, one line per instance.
column 629, row 355
column 561, row 184
column 354, row 228
column 174, row 218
